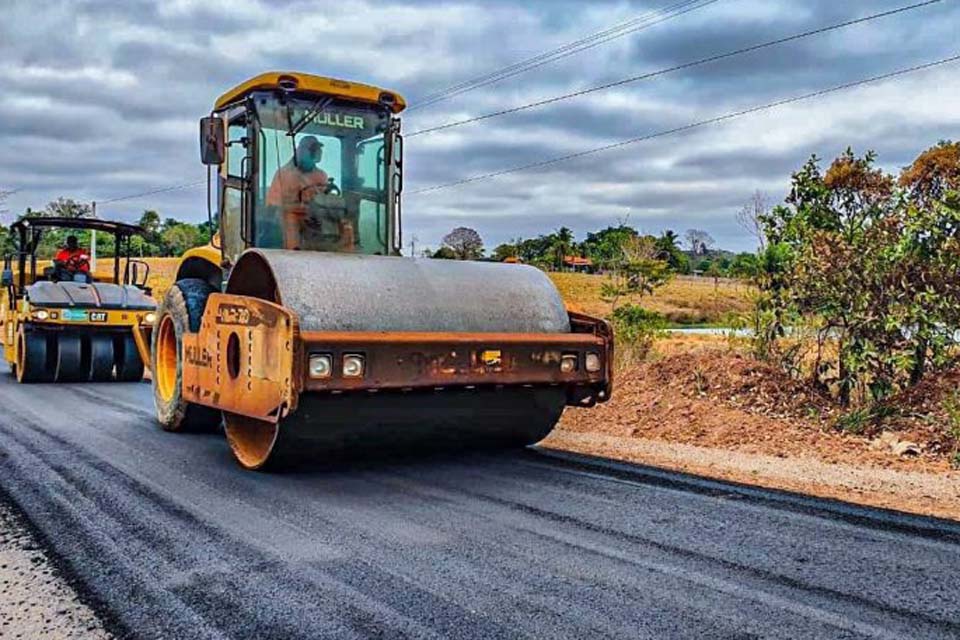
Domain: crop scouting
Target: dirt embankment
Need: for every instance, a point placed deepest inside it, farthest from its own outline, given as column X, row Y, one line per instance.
column 707, row 407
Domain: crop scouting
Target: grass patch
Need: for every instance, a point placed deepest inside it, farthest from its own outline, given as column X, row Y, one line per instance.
column 685, row 301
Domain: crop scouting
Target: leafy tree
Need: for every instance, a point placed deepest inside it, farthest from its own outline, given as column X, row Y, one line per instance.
column 638, row 272
column 465, row 243
column 506, row 250
column 562, row 246
column 668, row 246
column 605, row 247
column 744, row 265
column 444, row 253
column 152, row 243
column 6, row 241
column 536, row 250
column 207, row 230
column 933, row 174
column 872, row 270
column 179, row 237
column 150, row 221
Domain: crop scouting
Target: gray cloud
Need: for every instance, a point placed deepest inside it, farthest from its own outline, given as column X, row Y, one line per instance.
column 101, row 100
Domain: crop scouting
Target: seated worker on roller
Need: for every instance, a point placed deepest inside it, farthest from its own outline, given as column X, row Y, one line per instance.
column 294, row 187
column 71, row 261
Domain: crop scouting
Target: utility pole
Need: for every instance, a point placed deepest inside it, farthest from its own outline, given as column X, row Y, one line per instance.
column 93, row 243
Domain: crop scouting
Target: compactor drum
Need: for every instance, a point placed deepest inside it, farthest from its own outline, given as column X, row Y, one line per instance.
column 65, row 323
column 308, row 334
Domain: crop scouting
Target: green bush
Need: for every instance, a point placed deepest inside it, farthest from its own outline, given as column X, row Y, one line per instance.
column 635, row 329
column 860, row 278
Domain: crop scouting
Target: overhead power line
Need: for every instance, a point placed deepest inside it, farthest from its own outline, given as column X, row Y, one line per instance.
column 668, row 70
column 594, row 40
column 688, row 127
column 134, row 196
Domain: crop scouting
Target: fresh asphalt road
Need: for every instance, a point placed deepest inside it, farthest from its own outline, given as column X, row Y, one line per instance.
column 170, row 539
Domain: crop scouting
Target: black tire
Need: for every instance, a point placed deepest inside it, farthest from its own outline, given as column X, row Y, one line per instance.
column 100, row 358
column 35, row 357
column 69, row 358
column 180, row 312
column 127, row 358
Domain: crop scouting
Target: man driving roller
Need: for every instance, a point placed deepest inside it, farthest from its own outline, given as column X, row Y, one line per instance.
column 294, row 186
column 71, row 260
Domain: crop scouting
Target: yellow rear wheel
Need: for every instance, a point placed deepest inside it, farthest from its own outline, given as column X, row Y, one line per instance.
column 179, row 313
column 165, row 368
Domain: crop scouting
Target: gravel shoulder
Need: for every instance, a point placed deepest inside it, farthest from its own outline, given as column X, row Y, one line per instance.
column 37, row 602
column 702, row 405
column 925, row 494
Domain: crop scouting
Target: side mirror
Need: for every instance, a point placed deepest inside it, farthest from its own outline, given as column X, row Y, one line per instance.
column 137, row 273
column 212, row 141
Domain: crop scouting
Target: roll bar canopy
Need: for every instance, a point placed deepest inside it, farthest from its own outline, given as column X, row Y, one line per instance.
column 93, row 224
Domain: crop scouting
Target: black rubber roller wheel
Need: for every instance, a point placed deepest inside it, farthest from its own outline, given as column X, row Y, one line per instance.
column 34, row 357
column 127, row 358
column 332, row 429
column 69, row 358
column 180, row 312
column 100, row 358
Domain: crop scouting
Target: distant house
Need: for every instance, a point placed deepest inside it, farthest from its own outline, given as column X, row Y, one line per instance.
column 578, row 264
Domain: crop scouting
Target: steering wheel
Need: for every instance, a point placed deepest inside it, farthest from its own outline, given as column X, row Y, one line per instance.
column 75, row 263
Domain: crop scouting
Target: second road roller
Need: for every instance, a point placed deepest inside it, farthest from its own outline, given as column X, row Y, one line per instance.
column 304, row 332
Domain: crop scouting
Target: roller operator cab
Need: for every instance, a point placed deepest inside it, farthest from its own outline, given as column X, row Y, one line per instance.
column 307, row 333
column 65, row 321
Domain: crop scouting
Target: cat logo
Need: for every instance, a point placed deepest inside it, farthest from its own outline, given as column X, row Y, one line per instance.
column 98, row 316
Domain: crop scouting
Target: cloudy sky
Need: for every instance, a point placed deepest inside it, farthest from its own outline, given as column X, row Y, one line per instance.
column 100, row 99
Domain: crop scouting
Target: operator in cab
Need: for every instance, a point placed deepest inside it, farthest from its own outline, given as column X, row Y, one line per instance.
column 295, row 186
column 71, row 261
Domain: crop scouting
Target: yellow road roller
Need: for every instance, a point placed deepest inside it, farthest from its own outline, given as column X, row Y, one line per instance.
column 67, row 323
column 305, row 332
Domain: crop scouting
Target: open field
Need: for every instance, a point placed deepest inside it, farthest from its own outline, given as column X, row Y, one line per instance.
column 162, row 273
column 684, row 300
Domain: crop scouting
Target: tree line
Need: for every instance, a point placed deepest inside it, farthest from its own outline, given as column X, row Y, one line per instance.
column 604, row 249
column 162, row 236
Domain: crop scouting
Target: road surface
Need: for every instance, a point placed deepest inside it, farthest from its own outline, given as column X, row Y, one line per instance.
column 170, row 539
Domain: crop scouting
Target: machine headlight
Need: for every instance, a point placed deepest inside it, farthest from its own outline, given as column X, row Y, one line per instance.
column 352, row 366
column 321, row 366
column 593, row 363
column 568, row 363
column 41, row 314
column 150, row 318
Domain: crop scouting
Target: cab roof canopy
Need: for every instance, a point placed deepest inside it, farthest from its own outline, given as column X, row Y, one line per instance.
column 296, row 82
column 93, row 224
